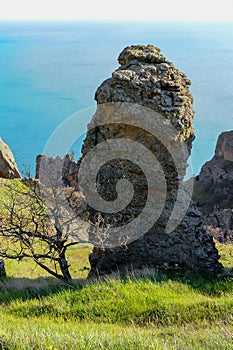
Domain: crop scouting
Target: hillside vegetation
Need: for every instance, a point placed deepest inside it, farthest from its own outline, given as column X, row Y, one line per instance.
column 161, row 312
column 155, row 311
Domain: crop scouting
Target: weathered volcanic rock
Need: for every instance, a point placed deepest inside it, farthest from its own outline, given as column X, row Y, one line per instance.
column 224, row 147
column 216, row 176
column 8, row 167
column 147, row 79
column 189, row 247
column 64, row 167
column 213, row 190
column 219, row 224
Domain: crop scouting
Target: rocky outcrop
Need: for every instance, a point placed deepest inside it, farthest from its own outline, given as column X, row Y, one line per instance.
column 216, row 176
column 45, row 165
column 189, row 247
column 224, row 147
column 213, row 190
column 2, row 269
column 219, row 224
column 8, row 167
column 146, row 78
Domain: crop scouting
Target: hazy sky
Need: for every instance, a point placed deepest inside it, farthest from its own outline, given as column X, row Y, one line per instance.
column 207, row 10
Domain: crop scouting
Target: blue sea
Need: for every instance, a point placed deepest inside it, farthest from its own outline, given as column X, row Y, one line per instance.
column 51, row 70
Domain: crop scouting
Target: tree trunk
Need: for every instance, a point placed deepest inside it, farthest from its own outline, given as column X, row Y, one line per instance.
column 2, row 269
column 64, row 266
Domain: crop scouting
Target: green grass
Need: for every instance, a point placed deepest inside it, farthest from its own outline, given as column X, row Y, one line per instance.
column 140, row 302
column 162, row 312
column 183, row 313
column 22, row 334
column 77, row 258
column 226, row 254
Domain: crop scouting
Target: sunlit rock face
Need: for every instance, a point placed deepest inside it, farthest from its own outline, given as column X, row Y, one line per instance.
column 147, row 81
column 8, row 167
column 213, row 190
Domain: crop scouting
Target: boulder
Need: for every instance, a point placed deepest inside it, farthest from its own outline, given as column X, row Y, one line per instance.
column 146, row 88
column 8, row 167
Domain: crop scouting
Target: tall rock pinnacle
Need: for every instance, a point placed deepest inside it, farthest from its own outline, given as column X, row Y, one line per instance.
column 143, row 127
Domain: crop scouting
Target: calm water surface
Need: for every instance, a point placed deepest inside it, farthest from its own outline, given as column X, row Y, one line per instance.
column 48, row 71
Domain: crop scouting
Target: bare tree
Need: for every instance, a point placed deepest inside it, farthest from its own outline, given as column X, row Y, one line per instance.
column 29, row 230
column 42, row 218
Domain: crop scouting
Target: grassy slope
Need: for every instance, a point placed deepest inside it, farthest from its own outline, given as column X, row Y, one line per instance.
column 180, row 312
column 142, row 314
column 176, row 312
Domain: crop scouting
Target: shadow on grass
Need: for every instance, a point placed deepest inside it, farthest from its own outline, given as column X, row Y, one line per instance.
column 26, row 289
column 205, row 284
